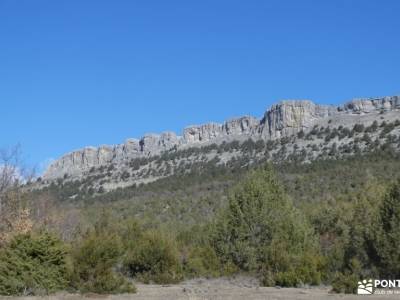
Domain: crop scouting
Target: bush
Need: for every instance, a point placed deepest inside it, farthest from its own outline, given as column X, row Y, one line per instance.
column 345, row 283
column 300, row 134
column 154, row 258
column 387, row 234
column 33, row 264
column 202, row 261
column 262, row 231
column 358, row 128
column 287, row 278
column 95, row 259
column 292, row 269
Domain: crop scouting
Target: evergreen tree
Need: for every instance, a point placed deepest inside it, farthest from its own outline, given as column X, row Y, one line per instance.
column 33, row 264
column 262, row 231
column 388, row 234
column 95, row 259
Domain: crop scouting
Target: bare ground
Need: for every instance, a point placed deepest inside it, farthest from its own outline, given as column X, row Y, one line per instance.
column 238, row 288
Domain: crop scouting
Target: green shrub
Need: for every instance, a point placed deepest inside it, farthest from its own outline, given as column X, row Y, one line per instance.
column 33, row 264
column 202, row 261
column 358, row 128
column 310, row 268
column 345, row 283
column 154, row 258
column 262, row 231
column 293, row 270
column 387, row 234
column 95, row 259
column 287, row 278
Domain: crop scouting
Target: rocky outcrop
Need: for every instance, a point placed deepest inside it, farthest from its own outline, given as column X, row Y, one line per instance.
column 367, row 105
column 212, row 132
column 202, row 133
column 152, row 144
column 241, row 126
column 75, row 162
column 282, row 119
column 130, row 149
column 291, row 116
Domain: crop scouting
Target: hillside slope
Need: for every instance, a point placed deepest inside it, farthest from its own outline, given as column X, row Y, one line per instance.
column 376, row 133
column 134, row 161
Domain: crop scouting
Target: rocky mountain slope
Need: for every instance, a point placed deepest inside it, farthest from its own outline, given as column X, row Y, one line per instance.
column 292, row 129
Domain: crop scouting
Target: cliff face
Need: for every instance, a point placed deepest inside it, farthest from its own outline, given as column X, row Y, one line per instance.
column 214, row 132
column 283, row 119
column 371, row 105
column 291, row 116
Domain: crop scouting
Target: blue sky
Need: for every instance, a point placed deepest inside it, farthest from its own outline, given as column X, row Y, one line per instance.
column 76, row 73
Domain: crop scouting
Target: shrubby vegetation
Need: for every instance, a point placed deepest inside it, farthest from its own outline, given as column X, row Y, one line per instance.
column 33, row 264
column 205, row 163
column 261, row 231
column 386, row 234
column 154, row 258
column 95, row 257
column 291, row 223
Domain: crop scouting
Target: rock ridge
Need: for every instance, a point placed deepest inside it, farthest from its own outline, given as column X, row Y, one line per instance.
column 283, row 119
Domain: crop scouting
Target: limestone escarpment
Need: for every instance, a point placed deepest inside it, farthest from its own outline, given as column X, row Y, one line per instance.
column 283, row 119
column 372, row 104
column 290, row 116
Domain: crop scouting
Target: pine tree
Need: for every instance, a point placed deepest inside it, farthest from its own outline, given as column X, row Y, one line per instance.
column 261, row 230
column 33, row 264
column 388, row 234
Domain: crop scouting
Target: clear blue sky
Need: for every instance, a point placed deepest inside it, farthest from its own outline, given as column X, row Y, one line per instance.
column 90, row 72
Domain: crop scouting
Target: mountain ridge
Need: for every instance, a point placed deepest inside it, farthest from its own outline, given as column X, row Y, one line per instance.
column 283, row 119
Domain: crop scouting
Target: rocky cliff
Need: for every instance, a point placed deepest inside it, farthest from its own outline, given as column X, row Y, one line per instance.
column 283, row 119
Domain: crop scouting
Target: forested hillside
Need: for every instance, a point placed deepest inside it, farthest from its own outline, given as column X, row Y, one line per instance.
column 328, row 221
column 314, row 208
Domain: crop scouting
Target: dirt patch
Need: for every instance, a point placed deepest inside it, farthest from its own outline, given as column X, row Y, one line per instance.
column 239, row 288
